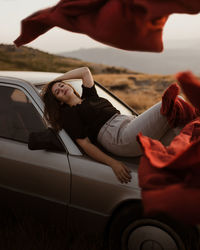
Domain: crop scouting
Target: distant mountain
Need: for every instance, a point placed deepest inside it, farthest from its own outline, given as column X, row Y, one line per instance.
column 185, row 57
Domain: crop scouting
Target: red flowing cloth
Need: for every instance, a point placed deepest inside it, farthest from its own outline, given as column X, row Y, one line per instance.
column 178, row 111
column 125, row 24
column 170, row 176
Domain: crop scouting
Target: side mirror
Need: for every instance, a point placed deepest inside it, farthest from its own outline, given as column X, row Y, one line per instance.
column 45, row 139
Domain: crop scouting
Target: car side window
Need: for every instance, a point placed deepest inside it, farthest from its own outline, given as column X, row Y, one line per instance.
column 18, row 116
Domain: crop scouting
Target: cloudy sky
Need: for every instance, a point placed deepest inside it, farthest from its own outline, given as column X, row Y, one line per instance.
column 178, row 27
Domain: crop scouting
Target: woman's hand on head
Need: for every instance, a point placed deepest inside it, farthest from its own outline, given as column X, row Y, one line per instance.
column 79, row 73
column 121, row 171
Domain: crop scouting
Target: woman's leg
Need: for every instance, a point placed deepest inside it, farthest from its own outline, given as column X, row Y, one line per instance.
column 119, row 135
column 151, row 123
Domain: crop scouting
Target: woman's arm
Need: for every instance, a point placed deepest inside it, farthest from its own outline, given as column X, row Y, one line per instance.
column 120, row 170
column 80, row 73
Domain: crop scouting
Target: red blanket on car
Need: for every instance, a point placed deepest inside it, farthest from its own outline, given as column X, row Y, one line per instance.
column 125, row 24
column 170, row 176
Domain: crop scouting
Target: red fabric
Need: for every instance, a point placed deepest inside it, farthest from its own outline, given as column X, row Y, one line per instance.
column 125, row 24
column 191, row 87
column 178, row 111
column 170, row 176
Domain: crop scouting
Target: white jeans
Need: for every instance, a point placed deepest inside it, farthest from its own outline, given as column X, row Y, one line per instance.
column 118, row 134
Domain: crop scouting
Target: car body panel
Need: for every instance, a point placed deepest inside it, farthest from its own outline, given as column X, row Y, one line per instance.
column 94, row 179
column 38, row 173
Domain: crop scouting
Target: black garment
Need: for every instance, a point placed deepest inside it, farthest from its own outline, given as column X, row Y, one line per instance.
column 87, row 118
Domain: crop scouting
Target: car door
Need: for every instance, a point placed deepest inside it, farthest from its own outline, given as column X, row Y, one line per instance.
column 30, row 180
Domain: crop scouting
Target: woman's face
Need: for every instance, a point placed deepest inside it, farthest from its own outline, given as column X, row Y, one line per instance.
column 63, row 92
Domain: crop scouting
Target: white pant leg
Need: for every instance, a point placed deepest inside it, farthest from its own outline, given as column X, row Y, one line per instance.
column 151, row 123
column 119, row 135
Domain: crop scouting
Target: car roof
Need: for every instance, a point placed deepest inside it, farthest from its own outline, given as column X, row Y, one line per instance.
column 34, row 77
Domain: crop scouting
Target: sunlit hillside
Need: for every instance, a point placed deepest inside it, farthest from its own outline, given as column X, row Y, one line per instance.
column 138, row 90
column 25, row 58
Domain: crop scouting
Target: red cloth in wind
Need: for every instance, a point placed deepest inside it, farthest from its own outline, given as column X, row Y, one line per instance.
column 191, row 87
column 170, row 176
column 178, row 111
column 125, row 24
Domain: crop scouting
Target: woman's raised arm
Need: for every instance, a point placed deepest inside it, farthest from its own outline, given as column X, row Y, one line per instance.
column 79, row 73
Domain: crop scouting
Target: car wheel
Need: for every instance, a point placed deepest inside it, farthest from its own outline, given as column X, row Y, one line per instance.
column 130, row 230
column 148, row 234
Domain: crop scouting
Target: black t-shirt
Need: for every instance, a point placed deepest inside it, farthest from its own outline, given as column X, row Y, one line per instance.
column 87, row 118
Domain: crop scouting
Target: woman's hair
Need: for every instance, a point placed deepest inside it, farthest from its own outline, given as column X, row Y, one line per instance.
column 52, row 106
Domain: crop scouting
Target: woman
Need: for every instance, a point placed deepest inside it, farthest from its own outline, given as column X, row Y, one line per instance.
column 89, row 119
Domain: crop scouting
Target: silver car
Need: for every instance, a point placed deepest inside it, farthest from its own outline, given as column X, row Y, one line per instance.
column 58, row 180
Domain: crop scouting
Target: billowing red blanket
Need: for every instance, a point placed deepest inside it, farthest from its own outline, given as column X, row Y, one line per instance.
column 125, row 24
column 170, row 176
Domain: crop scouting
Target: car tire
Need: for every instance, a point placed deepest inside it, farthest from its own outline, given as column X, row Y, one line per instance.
column 130, row 230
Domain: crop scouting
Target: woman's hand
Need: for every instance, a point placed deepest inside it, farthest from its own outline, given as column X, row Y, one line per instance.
column 79, row 73
column 121, row 171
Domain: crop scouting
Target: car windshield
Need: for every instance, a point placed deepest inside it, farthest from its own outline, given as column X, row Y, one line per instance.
column 122, row 107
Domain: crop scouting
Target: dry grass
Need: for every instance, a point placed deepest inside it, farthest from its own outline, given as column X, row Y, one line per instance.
column 29, row 234
column 139, row 101
column 140, row 91
column 32, row 235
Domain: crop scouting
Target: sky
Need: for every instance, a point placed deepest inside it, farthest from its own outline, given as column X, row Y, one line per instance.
column 178, row 27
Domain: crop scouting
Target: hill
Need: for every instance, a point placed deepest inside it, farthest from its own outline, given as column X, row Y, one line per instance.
column 170, row 61
column 26, row 58
column 139, row 90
